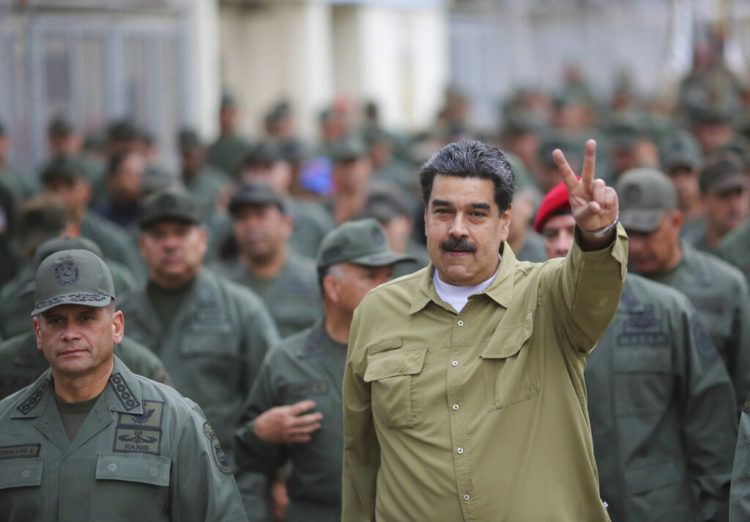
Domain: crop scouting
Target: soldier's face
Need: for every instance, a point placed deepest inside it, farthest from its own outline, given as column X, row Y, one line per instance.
column 261, row 231
column 727, row 210
column 350, row 283
column 656, row 251
column 174, row 251
column 77, row 340
column 685, row 181
column 464, row 229
column 558, row 235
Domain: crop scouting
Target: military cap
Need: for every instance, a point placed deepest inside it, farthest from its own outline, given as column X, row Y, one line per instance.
column 626, row 131
column 256, row 194
column 56, row 244
column 360, row 242
column 386, row 202
column 59, row 127
column 168, row 205
column 72, row 277
column 63, row 168
column 645, row 195
column 555, row 140
column 522, row 122
column 347, row 149
column 227, row 100
column 680, row 150
column 722, row 175
column 122, row 130
column 188, row 139
column 262, row 154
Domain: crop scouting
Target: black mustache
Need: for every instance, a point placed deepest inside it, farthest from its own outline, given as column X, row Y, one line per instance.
column 453, row 244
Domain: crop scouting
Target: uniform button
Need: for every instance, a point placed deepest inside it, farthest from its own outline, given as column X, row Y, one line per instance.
column 460, row 451
column 454, row 363
column 26, row 473
column 112, row 467
column 455, row 407
column 467, row 498
column 154, row 472
column 460, row 323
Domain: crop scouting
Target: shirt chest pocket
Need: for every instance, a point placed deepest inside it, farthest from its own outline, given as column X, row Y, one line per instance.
column 392, row 374
column 131, row 487
column 643, row 380
column 510, row 368
column 210, row 339
column 20, row 479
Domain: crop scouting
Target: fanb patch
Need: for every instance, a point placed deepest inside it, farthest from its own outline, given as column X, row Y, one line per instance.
column 140, row 433
column 220, row 458
column 20, row 451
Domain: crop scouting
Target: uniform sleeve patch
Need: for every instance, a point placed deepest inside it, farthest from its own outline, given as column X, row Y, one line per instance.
column 19, row 452
column 703, row 343
column 220, row 458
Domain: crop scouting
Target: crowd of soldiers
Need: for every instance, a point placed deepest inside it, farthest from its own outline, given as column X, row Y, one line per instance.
column 238, row 275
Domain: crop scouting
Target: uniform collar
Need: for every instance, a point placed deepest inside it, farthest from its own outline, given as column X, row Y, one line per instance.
column 500, row 291
column 122, row 394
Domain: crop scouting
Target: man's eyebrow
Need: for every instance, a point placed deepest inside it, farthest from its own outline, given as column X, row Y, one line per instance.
column 441, row 203
column 481, row 206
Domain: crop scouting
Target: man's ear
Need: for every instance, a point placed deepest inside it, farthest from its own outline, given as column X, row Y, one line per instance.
column 37, row 334
column 331, row 288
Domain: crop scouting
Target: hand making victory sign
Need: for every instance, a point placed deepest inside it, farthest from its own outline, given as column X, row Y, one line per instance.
column 593, row 204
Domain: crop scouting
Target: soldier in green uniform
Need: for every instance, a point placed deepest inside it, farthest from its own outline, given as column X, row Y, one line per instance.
column 21, row 184
column 735, row 248
column 463, row 388
column 210, row 334
column 227, row 151
column 680, row 160
column 739, row 495
column 67, row 181
column 205, row 183
column 90, row 440
column 284, row 280
column 661, row 403
column 294, row 410
column 717, row 290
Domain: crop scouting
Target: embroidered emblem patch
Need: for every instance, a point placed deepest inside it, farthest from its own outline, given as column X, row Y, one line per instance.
column 123, row 392
column 20, row 451
column 140, row 433
column 643, row 328
column 29, row 404
column 66, row 273
column 220, row 458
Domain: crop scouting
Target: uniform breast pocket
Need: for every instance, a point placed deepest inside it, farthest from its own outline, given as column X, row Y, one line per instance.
column 392, row 375
column 643, row 380
column 510, row 367
column 131, row 487
column 212, row 340
column 19, row 489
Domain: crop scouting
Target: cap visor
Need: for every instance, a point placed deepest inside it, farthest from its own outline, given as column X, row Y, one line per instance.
column 730, row 184
column 148, row 221
column 381, row 259
column 645, row 221
column 76, row 298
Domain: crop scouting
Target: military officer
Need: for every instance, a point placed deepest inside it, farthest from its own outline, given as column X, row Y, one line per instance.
column 717, row 290
column 284, row 280
column 89, row 439
column 660, row 401
column 226, row 152
column 463, row 388
column 294, row 409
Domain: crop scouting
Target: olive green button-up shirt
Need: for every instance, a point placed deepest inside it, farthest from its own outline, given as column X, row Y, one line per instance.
column 143, row 453
column 480, row 415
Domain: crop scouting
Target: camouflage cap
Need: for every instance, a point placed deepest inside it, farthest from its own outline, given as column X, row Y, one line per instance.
column 168, row 205
column 645, row 195
column 722, row 175
column 680, row 150
column 359, row 242
column 72, row 277
column 256, row 194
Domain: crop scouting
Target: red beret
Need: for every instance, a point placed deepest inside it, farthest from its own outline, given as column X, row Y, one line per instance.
column 553, row 203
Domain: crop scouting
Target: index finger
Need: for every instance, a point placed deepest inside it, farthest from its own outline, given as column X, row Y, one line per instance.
column 568, row 176
column 589, row 162
column 302, row 406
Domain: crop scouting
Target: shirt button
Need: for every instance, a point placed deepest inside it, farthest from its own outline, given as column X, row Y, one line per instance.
column 455, row 407
column 112, row 467
column 26, row 473
column 154, row 472
column 460, row 323
column 460, row 451
column 454, row 363
column 467, row 498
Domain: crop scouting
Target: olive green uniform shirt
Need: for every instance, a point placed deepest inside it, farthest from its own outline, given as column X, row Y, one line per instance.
column 662, row 411
column 479, row 415
column 204, row 188
column 21, row 362
column 720, row 294
column 143, row 453
column 311, row 223
column 22, row 184
column 739, row 496
column 735, row 248
column 292, row 297
column 114, row 242
column 226, row 153
column 308, row 365
column 213, row 347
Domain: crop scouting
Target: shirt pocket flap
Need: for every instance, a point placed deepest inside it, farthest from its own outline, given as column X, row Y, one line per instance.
column 384, row 346
column 18, row 473
column 146, row 469
column 643, row 361
column 395, row 363
column 507, row 341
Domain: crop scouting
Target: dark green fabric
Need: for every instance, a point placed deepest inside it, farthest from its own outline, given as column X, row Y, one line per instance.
column 292, row 297
column 143, row 453
column 735, row 248
column 308, row 365
column 167, row 302
column 21, row 184
column 114, row 242
column 311, row 223
column 533, row 248
column 72, row 414
column 720, row 294
column 21, row 362
column 739, row 496
column 226, row 153
column 205, row 187
column 661, row 407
